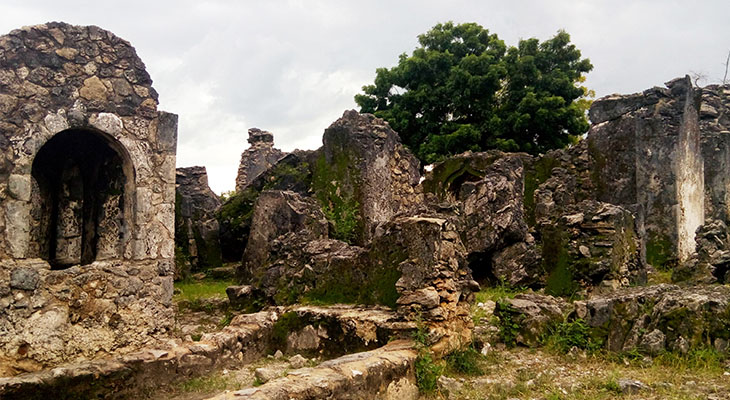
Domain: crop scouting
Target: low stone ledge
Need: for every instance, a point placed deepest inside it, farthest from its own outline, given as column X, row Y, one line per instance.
column 367, row 375
column 245, row 339
column 339, row 329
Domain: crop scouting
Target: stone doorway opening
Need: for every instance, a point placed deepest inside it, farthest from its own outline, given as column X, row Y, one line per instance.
column 81, row 199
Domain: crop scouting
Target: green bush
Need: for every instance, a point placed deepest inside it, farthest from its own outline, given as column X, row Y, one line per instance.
column 566, row 335
column 509, row 326
column 427, row 369
column 466, row 361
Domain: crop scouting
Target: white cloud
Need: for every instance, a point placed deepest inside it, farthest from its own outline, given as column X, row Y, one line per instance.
column 293, row 66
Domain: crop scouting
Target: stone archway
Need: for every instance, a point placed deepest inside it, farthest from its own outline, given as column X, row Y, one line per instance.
column 81, row 199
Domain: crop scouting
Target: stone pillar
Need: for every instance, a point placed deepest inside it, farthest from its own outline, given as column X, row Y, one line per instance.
column 257, row 158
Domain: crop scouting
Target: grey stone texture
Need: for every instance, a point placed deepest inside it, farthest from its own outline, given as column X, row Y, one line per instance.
column 655, row 318
column 259, row 157
column 364, row 164
column 87, row 191
column 196, row 225
column 277, row 213
column 662, row 155
column 649, row 159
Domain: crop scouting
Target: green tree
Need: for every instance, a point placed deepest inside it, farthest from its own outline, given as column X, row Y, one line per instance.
column 463, row 89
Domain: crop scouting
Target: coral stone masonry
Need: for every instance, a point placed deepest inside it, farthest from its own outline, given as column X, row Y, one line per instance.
column 87, row 194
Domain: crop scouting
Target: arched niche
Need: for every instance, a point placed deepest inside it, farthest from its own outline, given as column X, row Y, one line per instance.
column 82, row 199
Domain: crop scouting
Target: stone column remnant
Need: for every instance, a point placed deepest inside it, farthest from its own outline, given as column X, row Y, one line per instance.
column 259, row 157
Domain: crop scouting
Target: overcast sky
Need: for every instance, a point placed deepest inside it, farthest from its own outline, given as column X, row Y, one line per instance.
column 292, row 67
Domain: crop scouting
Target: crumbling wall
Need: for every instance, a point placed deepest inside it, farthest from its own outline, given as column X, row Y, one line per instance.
column 259, row 157
column 364, row 190
column 62, row 88
column 364, row 176
column 196, row 227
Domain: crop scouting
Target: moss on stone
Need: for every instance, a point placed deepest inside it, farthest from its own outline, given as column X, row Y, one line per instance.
column 234, row 218
column 556, row 262
column 336, row 185
column 535, row 176
column 285, row 175
column 599, row 165
column 286, row 324
column 659, row 252
column 375, row 287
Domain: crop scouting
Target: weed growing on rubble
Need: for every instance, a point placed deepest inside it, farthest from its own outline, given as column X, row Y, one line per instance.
column 465, row 361
column 566, row 335
column 428, row 370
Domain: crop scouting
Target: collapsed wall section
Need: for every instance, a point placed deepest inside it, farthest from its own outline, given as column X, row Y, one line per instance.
column 87, row 192
column 647, row 157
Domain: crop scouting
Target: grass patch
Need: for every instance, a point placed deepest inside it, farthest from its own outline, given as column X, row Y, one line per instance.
column 226, row 320
column 205, row 384
column 699, row 359
column 465, row 362
column 193, row 291
column 497, row 293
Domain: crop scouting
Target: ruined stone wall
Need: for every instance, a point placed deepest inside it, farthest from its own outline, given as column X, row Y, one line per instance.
column 259, row 157
column 87, row 176
column 365, row 174
column 715, row 140
column 646, row 149
column 196, row 227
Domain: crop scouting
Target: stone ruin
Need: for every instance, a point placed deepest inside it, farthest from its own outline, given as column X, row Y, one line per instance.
column 93, row 216
column 259, row 157
column 583, row 220
column 197, row 243
column 357, row 232
column 87, row 194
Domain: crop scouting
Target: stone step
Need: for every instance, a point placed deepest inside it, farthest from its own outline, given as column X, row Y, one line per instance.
column 386, row 372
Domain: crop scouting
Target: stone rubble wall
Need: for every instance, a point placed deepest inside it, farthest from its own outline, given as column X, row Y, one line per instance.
column 196, row 225
column 55, row 78
column 651, row 319
column 400, row 254
column 82, row 312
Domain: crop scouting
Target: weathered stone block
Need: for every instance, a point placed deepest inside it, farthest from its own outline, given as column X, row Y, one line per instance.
column 19, row 187
column 24, row 278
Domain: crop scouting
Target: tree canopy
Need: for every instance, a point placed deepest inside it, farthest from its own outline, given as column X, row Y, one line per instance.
column 463, row 89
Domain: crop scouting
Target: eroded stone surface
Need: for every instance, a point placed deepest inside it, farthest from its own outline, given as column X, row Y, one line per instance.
column 88, row 176
column 196, row 226
column 364, row 166
column 259, row 157
column 365, row 375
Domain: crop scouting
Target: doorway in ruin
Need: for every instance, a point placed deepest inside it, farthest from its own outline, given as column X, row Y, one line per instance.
column 81, row 199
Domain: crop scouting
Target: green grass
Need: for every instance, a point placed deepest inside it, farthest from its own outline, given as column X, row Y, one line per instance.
column 498, row 292
column 566, row 335
column 198, row 290
column 206, row 384
column 465, row 362
column 427, row 368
